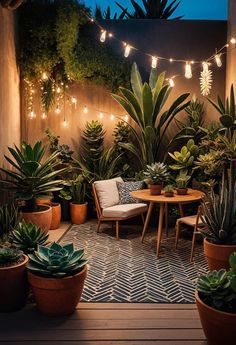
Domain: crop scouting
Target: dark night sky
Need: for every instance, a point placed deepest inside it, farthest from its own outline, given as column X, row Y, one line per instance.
column 191, row 9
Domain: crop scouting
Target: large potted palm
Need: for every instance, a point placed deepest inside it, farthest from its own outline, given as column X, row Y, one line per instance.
column 32, row 178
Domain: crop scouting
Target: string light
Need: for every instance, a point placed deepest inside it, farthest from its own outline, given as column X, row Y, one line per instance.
column 85, row 110
column 112, row 117
column 44, row 116
column 57, row 110
column 65, row 123
column 103, row 36
column 205, row 66
column 101, row 115
column 44, row 76
column 218, row 60
column 233, row 40
column 171, row 82
column 73, row 100
column 126, row 118
column 58, row 89
column 188, row 71
column 127, row 50
column 32, row 115
column 154, row 61
column 110, row 34
column 171, row 60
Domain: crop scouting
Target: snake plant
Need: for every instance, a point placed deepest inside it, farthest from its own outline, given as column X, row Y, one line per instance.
column 27, row 236
column 56, row 261
column 144, row 103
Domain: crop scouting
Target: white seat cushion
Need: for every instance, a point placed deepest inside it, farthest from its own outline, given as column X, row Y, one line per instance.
column 123, row 211
column 107, row 192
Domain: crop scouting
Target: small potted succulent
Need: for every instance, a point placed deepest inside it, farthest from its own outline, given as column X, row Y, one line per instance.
column 169, row 191
column 56, row 275
column 182, row 181
column 75, row 190
column 156, row 175
column 216, row 302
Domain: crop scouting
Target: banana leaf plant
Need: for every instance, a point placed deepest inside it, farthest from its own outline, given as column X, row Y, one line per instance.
column 144, row 103
column 30, row 178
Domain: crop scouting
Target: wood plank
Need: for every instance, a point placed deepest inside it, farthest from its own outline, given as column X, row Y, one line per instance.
column 136, row 306
column 111, row 342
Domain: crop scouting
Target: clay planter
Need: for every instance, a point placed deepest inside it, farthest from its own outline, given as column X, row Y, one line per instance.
column 11, row 4
column 44, row 202
column 155, row 189
column 219, row 327
column 41, row 218
column 13, row 287
column 182, row 191
column 169, row 194
column 57, row 296
column 56, row 216
column 78, row 213
column 217, row 255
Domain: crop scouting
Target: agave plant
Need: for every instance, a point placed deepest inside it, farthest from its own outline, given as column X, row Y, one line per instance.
column 56, row 261
column 8, row 218
column 144, row 103
column 100, row 14
column 27, row 236
column 31, row 177
column 156, row 173
column 155, row 9
column 9, row 255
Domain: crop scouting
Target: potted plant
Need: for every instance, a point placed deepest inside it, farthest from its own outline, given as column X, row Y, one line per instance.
column 169, row 191
column 56, row 215
column 156, row 174
column 56, row 275
column 219, row 218
column 33, row 179
column 75, row 191
column 182, row 181
column 216, row 302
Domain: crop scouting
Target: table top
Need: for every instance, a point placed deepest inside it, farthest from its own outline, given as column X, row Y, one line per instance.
column 144, row 194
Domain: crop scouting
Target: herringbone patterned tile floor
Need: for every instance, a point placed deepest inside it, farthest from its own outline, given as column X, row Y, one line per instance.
column 129, row 271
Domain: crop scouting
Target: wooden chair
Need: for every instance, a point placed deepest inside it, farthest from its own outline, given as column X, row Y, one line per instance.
column 115, row 220
column 195, row 222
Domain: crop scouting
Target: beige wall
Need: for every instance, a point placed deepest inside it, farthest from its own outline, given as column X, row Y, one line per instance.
column 9, row 84
column 231, row 58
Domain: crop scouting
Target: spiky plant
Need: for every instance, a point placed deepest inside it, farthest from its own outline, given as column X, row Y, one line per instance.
column 56, row 261
column 8, row 218
column 106, row 14
column 27, row 236
column 156, row 173
column 9, row 255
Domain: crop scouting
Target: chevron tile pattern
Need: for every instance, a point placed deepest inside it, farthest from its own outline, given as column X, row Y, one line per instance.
column 129, row 271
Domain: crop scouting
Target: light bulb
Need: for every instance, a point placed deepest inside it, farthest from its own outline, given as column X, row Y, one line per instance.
column 85, row 110
column 73, row 100
column 110, row 34
column 65, row 123
column 44, row 116
column 103, row 36
column 233, row 40
column 171, row 82
column 218, row 60
column 44, row 76
column 154, row 61
column 126, row 118
column 171, row 60
column 58, row 89
column 127, row 50
column 205, row 66
column 112, row 117
column 101, row 115
column 57, row 110
column 32, row 115
column 188, row 71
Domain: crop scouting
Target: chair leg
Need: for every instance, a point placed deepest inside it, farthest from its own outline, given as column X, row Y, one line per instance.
column 166, row 220
column 98, row 225
column 178, row 225
column 117, row 230
column 193, row 244
column 149, row 213
column 143, row 218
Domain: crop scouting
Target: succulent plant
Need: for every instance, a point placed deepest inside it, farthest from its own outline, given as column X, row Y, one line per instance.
column 186, row 157
column 8, row 218
column 9, row 255
column 156, row 173
column 27, row 236
column 169, row 188
column 210, row 163
column 182, row 180
column 56, row 261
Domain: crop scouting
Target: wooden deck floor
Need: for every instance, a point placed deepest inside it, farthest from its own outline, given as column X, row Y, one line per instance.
column 106, row 324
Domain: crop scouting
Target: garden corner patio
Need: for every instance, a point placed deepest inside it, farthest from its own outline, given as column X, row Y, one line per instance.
column 117, row 172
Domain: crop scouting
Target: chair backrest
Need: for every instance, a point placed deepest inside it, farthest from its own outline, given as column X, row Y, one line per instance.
column 96, row 199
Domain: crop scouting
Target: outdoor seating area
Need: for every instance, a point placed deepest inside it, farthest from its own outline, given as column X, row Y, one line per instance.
column 117, row 172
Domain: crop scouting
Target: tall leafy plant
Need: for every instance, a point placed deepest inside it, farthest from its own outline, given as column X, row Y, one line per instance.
column 145, row 103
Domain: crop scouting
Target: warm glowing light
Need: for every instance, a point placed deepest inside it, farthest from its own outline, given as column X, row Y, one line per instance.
column 44, row 116
column 127, row 50
column 44, row 76
column 101, row 116
column 58, row 89
column 171, row 60
column 171, row 82
column 218, row 60
column 110, row 34
column 154, row 61
column 85, row 110
column 233, row 40
column 126, row 118
column 65, row 123
column 103, row 36
column 32, row 115
column 57, row 110
column 188, row 71
column 92, row 20
column 205, row 66
column 73, row 100
column 112, row 117
column 192, row 62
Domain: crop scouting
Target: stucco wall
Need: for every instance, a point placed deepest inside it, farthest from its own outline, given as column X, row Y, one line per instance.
column 9, row 84
column 231, row 57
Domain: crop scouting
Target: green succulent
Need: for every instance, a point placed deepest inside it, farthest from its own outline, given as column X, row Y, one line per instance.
column 56, row 261
column 210, row 163
column 169, row 188
column 156, row 173
column 27, row 236
column 8, row 218
column 9, row 255
column 74, row 189
column 186, row 157
column 182, row 180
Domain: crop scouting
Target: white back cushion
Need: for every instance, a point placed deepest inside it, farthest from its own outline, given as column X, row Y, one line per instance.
column 107, row 192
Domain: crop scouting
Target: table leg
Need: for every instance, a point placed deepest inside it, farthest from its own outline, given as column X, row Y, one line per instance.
column 150, row 208
column 160, row 225
column 166, row 219
column 181, row 210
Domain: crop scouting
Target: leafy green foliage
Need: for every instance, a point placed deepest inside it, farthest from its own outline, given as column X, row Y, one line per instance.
column 8, row 218
column 169, row 188
column 74, row 189
column 27, row 236
column 156, row 173
column 182, row 180
column 9, row 255
column 186, row 157
column 210, row 163
column 65, row 153
column 56, row 261
column 144, row 104
column 121, row 136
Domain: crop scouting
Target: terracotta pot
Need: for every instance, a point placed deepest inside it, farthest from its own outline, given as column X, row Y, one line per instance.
column 155, row 189
column 78, row 213
column 182, row 191
column 44, row 202
column 217, row 255
column 56, row 216
column 169, row 194
column 14, row 286
column 42, row 218
column 57, row 296
column 218, row 326
column 11, row 4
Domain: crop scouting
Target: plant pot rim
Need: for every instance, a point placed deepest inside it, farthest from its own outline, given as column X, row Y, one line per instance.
column 26, row 259
column 218, row 244
column 46, row 209
column 58, row 279
column 73, row 203
column 156, row 184
column 54, row 204
column 223, row 313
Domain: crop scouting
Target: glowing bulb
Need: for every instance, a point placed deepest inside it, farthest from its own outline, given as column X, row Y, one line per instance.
column 73, row 100
column 65, row 123
column 171, row 60
column 44, row 116
column 218, row 60
column 188, row 71
column 233, row 40
column 110, row 34
column 103, row 36
column 32, row 115
column 44, row 76
column 171, row 82
column 154, row 61
column 58, row 89
column 205, row 66
column 101, row 115
column 127, row 50
column 227, row 45
column 126, row 118
column 112, row 117
column 92, row 20
column 192, row 62
column 85, row 110
column 57, row 110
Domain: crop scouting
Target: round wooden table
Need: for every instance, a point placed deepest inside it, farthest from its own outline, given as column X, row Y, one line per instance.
column 144, row 195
